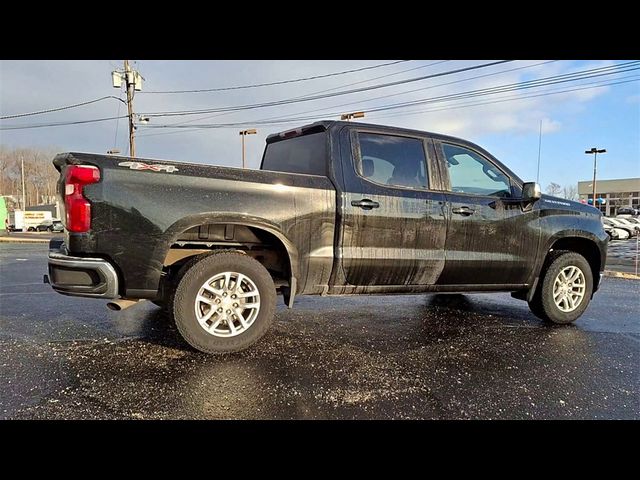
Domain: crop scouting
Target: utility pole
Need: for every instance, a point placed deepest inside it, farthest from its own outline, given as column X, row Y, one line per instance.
column 594, row 151
column 130, row 83
column 133, row 82
column 24, row 193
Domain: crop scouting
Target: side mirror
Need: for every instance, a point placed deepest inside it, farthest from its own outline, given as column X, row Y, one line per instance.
column 531, row 192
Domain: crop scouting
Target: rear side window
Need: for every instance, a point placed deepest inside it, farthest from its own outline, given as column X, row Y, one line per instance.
column 305, row 154
column 392, row 160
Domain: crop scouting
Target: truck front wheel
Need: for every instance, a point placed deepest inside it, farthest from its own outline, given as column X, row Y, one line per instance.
column 564, row 290
column 224, row 303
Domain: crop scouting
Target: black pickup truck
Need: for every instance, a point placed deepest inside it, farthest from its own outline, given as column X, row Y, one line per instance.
column 336, row 208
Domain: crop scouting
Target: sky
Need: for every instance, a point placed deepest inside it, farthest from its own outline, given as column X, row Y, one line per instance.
column 506, row 124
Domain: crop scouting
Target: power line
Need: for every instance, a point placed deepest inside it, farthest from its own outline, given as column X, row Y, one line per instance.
column 573, row 76
column 569, row 77
column 514, row 97
column 376, row 78
column 59, row 124
column 115, row 138
column 330, row 89
column 551, row 80
column 50, row 110
column 282, row 82
column 628, row 66
column 371, row 99
column 318, row 97
column 584, row 74
column 297, row 120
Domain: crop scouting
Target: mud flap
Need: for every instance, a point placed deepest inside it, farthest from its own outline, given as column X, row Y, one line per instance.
column 289, row 293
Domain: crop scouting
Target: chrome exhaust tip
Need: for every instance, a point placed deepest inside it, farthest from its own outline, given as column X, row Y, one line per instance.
column 117, row 305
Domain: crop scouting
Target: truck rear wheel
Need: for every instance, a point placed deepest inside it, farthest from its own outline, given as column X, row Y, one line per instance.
column 565, row 289
column 224, row 303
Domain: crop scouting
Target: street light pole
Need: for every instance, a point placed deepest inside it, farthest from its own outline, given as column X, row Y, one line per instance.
column 244, row 133
column 24, row 192
column 595, row 153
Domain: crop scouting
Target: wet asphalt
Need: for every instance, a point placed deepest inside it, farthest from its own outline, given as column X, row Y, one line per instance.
column 363, row 357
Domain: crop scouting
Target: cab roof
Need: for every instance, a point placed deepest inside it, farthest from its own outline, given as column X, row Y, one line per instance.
column 323, row 125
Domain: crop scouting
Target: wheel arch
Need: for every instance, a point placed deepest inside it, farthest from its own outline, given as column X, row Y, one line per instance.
column 171, row 235
column 584, row 243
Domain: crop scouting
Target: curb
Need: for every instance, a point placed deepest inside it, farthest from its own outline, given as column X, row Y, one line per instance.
column 628, row 276
column 23, row 240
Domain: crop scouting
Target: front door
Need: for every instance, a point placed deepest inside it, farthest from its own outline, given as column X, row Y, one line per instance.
column 490, row 239
column 393, row 225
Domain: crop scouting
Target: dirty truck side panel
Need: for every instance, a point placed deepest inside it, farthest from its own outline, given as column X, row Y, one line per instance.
column 495, row 241
column 400, row 242
column 138, row 214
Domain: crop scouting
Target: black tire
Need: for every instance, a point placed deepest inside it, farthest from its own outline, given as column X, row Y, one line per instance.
column 50, row 229
column 190, row 280
column 543, row 306
column 31, row 229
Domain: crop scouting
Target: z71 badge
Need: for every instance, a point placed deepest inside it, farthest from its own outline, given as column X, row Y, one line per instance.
column 146, row 166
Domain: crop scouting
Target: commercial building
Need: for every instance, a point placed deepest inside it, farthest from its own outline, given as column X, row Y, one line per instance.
column 611, row 194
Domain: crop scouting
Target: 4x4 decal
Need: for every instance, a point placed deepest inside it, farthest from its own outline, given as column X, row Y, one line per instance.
column 146, row 166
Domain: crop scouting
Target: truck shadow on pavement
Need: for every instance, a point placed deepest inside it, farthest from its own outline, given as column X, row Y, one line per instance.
column 439, row 356
column 406, row 321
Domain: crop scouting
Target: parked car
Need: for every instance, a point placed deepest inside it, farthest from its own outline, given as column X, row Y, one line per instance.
column 615, row 222
column 622, row 234
column 634, row 220
column 629, row 223
column 48, row 226
column 612, row 232
column 337, row 208
column 57, row 226
column 628, row 212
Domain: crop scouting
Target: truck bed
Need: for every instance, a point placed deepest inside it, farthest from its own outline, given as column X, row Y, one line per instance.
column 141, row 207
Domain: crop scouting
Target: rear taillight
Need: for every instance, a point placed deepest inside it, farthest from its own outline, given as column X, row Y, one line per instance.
column 78, row 208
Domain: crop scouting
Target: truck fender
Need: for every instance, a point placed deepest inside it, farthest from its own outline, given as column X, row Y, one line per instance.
column 172, row 233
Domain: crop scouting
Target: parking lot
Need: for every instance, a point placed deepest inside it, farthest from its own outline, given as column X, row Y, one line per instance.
column 409, row 356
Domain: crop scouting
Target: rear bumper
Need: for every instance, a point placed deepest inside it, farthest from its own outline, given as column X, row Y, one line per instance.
column 79, row 276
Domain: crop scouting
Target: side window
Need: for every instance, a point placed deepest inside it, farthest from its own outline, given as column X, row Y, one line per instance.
column 303, row 154
column 393, row 160
column 472, row 173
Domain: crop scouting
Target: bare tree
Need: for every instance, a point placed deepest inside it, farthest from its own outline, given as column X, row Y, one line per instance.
column 40, row 174
column 570, row 192
column 622, row 200
column 554, row 189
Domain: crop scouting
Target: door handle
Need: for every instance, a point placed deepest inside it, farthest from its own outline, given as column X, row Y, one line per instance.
column 464, row 210
column 365, row 204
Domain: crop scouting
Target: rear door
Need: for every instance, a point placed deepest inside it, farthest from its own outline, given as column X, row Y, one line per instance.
column 393, row 222
column 490, row 239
